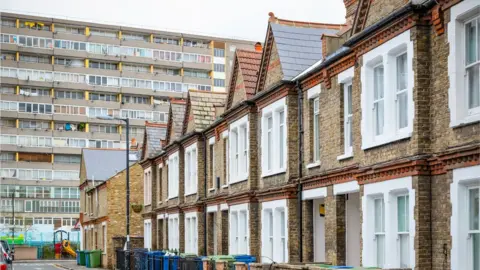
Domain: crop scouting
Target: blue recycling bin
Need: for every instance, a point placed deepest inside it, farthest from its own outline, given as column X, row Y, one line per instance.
column 87, row 258
column 247, row 259
column 341, row 267
column 77, row 257
column 154, row 258
column 170, row 262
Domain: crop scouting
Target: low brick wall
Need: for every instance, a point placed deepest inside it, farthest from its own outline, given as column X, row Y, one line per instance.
column 282, row 266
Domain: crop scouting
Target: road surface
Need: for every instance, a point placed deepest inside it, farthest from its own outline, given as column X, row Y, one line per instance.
column 34, row 266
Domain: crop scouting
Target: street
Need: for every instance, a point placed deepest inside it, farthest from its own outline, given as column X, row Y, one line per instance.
column 35, row 266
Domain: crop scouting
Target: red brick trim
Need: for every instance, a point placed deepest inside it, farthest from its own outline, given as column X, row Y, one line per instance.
column 393, row 171
column 174, row 210
column 459, row 158
column 193, row 139
column 285, row 192
column 446, row 4
column 332, row 177
column 437, row 20
column 273, row 96
column 237, row 114
column 245, row 197
column 192, row 208
column 146, row 163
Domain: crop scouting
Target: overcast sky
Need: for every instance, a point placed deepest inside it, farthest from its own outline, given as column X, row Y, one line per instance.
column 246, row 19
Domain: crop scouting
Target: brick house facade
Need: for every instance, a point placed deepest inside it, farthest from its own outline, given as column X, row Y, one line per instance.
column 371, row 146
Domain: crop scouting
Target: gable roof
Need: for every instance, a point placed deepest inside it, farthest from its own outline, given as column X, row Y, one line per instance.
column 153, row 135
column 101, row 164
column 176, row 114
column 299, row 45
column 202, row 106
column 248, row 63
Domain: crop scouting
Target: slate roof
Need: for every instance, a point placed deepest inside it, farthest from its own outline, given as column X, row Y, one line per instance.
column 299, row 47
column 101, row 164
column 154, row 134
column 202, row 105
column 175, row 119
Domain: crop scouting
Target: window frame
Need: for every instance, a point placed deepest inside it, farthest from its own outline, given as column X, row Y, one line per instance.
column 239, row 150
column 191, row 170
column 273, row 147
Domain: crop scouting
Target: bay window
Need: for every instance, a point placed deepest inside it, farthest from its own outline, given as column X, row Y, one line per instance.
column 191, row 164
column 387, row 75
column 274, row 138
column 239, row 150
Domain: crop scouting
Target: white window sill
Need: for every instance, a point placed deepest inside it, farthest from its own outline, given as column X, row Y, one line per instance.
column 211, row 189
column 345, row 156
column 271, row 173
column 465, row 121
column 225, row 186
column 386, row 140
column 238, row 181
column 149, row 204
column 171, row 198
column 190, row 193
column 313, row 165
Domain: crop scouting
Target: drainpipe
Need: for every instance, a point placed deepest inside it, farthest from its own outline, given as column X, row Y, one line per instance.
column 205, row 146
column 300, row 166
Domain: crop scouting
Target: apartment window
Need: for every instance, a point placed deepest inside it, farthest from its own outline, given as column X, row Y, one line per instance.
column 195, row 43
column 103, row 65
column 138, row 37
column 167, row 55
column 187, row 87
column 173, row 233
column 136, row 131
column 105, row 144
column 165, row 40
column 191, row 235
column 219, row 82
column 69, row 142
column 70, row 159
column 166, row 71
column 35, row 141
column 8, row 105
column 8, row 23
column 7, row 156
column 103, row 33
column 136, row 99
column 8, row 139
column 191, row 165
column 35, row 26
column 69, row 29
column 95, row 112
column 8, row 123
column 103, row 81
column 474, row 226
column 379, row 231
column 219, row 67
column 35, row 42
column 7, row 56
column 103, row 49
column 70, row 109
column 65, row 175
column 273, row 138
column 70, row 45
column 239, row 150
column 34, row 157
column 70, row 77
column 147, row 183
column 218, row 52
column 173, row 176
column 34, row 92
column 104, row 128
column 136, row 68
column 34, row 59
column 8, row 173
column 69, row 95
column 196, row 74
column 32, row 124
column 239, row 230
column 33, row 174
column 140, row 52
column 386, row 73
column 103, row 97
column 403, row 230
column 34, row 108
column 197, row 58
column 10, row 90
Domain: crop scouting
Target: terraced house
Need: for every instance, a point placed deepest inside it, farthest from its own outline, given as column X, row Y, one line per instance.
column 58, row 76
column 354, row 144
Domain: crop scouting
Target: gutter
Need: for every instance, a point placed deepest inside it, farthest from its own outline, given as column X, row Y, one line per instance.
column 300, row 168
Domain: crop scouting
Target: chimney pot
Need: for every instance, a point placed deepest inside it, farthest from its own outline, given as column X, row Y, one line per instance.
column 258, row 47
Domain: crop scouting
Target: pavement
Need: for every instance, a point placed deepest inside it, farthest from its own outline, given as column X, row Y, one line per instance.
column 48, row 265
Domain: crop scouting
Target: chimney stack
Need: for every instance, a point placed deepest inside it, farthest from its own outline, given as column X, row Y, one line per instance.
column 258, row 47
